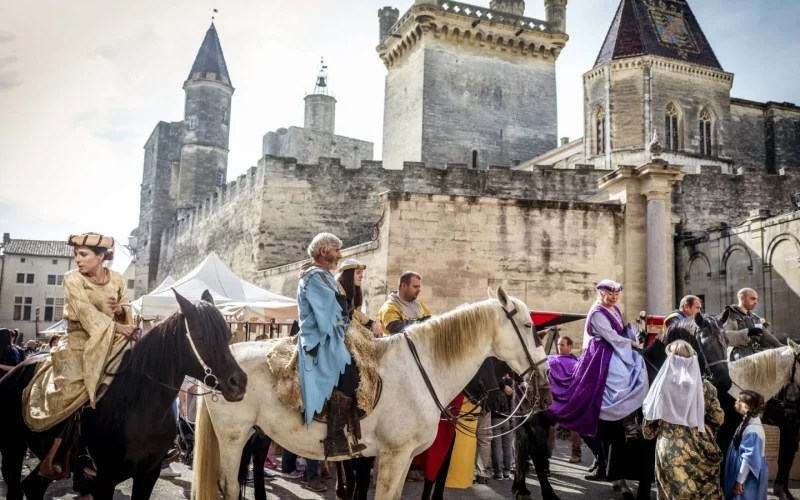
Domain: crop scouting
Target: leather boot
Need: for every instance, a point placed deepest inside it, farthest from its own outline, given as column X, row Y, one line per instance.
column 336, row 443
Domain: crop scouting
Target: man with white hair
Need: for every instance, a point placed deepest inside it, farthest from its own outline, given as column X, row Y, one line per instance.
column 746, row 332
column 325, row 366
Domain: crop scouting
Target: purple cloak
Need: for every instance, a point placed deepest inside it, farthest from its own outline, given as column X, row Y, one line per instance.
column 578, row 393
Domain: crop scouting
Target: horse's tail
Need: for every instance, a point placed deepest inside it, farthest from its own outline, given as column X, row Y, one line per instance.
column 206, row 456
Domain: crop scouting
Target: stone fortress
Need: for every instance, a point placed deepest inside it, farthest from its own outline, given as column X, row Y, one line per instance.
column 474, row 189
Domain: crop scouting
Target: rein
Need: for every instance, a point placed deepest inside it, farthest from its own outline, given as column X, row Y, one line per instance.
column 211, row 389
column 457, row 421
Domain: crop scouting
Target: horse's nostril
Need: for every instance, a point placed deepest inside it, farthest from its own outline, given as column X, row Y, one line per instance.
column 235, row 381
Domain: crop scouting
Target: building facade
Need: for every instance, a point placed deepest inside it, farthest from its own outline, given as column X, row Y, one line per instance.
column 31, row 275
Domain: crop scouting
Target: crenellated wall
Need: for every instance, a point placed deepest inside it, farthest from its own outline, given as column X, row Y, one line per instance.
column 713, row 198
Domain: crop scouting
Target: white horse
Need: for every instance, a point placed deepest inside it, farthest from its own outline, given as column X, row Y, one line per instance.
column 768, row 371
column 451, row 348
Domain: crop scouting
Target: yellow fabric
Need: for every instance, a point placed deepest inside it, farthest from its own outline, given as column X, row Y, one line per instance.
column 462, row 463
column 71, row 376
column 391, row 312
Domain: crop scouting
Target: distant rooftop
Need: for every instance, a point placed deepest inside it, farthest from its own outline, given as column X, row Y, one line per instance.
column 42, row 248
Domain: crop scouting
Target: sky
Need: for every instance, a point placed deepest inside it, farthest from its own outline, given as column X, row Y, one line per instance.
column 83, row 84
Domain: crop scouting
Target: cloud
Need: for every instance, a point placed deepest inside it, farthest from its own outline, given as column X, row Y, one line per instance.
column 113, row 125
column 8, row 78
column 6, row 37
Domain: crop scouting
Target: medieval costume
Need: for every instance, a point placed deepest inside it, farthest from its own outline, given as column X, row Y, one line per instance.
column 355, row 312
column 398, row 310
column 673, row 317
column 73, row 374
column 747, row 465
column 609, row 381
column 325, row 367
column 682, row 412
column 746, row 333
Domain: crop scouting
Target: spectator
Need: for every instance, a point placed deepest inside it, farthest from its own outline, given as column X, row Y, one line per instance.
column 9, row 356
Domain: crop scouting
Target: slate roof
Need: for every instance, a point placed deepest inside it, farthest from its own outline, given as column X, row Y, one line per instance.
column 665, row 28
column 210, row 59
column 41, row 248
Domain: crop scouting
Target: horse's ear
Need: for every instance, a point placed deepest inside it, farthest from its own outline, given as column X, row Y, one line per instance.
column 699, row 321
column 491, row 293
column 207, row 297
column 723, row 318
column 791, row 343
column 501, row 296
column 187, row 308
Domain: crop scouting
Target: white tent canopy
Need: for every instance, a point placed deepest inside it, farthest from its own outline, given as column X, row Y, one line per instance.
column 137, row 304
column 232, row 295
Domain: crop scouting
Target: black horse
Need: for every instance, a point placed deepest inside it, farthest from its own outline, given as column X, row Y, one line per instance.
column 133, row 425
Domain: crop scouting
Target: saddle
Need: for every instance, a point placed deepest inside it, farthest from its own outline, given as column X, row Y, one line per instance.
column 283, row 363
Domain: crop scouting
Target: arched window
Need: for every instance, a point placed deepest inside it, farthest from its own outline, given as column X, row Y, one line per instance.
column 672, row 127
column 705, row 132
column 600, row 130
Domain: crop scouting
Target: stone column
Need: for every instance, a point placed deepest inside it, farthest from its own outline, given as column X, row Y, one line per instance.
column 655, row 183
column 657, row 300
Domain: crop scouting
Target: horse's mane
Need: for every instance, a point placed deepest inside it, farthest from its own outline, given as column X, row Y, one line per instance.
column 157, row 356
column 451, row 335
column 762, row 372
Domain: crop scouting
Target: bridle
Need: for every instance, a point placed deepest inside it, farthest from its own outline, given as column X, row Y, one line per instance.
column 211, row 387
column 534, row 379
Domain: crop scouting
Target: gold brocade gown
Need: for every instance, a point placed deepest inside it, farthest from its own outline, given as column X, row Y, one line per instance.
column 73, row 373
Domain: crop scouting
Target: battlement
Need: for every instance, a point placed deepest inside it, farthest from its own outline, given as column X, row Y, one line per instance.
column 246, row 185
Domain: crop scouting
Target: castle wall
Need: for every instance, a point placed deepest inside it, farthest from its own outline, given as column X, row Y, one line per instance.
column 228, row 223
column 627, row 109
column 308, row 146
column 747, row 135
column 783, row 136
column 549, row 254
column 763, row 254
column 712, row 198
column 499, row 105
column 304, row 200
column 402, row 112
column 156, row 202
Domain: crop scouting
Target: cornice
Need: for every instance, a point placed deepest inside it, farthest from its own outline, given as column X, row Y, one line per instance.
column 478, row 27
column 662, row 64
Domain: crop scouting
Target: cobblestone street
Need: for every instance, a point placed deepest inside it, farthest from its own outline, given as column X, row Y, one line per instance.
column 567, row 479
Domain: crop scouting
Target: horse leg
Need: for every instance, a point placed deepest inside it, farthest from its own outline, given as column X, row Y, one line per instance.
column 34, row 486
column 231, row 445
column 392, row 474
column 522, row 449
column 790, row 432
column 144, row 481
column 540, row 451
column 13, row 454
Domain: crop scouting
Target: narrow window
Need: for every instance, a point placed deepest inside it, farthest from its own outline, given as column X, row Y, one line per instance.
column 51, row 279
column 192, row 122
column 17, row 308
column 49, row 306
column 131, row 284
column 26, row 310
column 474, row 159
column 224, row 116
column 59, row 279
column 220, row 178
column 672, row 127
column 29, row 279
column 20, row 277
column 58, row 313
column 600, row 131
column 705, row 132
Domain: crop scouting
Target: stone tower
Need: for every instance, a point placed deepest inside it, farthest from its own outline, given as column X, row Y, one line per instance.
column 204, row 153
column 656, row 74
column 557, row 14
column 387, row 17
column 184, row 161
column 469, row 85
column 320, row 113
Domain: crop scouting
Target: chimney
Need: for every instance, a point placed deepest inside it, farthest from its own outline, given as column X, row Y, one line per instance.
column 564, row 141
column 6, row 238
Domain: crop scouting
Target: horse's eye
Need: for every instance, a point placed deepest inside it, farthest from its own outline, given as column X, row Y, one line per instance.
column 528, row 325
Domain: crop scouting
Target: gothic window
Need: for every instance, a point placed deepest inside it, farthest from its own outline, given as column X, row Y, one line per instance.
column 672, row 127
column 220, row 178
column 192, row 122
column 600, row 131
column 705, row 132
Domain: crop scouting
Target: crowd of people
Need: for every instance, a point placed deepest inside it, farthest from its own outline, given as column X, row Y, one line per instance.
column 603, row 397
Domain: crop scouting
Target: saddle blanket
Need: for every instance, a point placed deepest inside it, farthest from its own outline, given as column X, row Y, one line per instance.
column 282, row 360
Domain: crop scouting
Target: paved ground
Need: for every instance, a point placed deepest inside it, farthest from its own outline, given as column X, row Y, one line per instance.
column 567, row 479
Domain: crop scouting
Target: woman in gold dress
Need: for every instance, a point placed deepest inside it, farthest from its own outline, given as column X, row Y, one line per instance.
column 99, row 321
